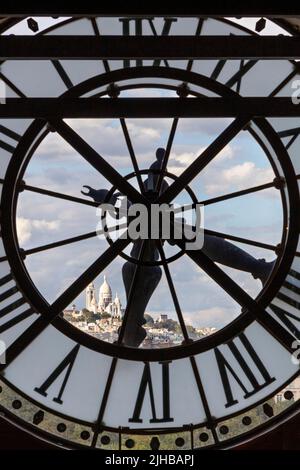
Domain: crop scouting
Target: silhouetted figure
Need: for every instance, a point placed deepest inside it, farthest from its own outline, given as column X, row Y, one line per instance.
column 216, row 248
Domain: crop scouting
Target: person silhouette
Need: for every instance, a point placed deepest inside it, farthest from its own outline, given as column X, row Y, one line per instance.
column 217, row 249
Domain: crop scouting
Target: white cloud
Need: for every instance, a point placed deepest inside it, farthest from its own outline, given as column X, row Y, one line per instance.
column 25, row 227
column 179, row 161
column 23, row 230
column 236, row 177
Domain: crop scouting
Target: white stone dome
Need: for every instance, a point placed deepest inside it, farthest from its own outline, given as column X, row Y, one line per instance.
column 105, row 289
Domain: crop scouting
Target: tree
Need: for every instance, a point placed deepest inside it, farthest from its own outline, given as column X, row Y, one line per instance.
column 105, row 315
column 149, row 319
column 89, row 316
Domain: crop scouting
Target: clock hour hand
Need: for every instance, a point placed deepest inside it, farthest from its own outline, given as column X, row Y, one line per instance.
column 222, row 251
column 100, row 195
column 145, row 284
column 148, row 276
column 226, row 253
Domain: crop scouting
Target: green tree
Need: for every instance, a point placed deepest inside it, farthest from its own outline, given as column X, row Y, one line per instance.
column 105, row 315
column 149, row 319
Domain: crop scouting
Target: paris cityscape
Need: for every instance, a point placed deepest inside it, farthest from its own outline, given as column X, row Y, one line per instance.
column 102, row 317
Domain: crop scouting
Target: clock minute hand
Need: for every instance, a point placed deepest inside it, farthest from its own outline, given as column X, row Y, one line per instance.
column 221, row 251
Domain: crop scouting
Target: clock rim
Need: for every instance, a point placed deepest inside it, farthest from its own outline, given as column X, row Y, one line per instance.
column 260, row 429
column 256, row 432
column 17, row 167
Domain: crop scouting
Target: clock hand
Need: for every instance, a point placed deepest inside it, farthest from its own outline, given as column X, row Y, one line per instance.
column 100, row 195
column 226, row 253
column 148, row 276
column 146, row 283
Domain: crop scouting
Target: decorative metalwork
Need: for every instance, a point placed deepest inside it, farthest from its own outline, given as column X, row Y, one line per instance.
column 147, row 261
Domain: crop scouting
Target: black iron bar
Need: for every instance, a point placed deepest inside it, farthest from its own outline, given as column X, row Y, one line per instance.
column 234, row 194
column 68, row 241
column 133, row 8
column 132, row 154
column 166, row 155
column 107, row 108
column 47, row 192
column 149, row 47
column 224, row 197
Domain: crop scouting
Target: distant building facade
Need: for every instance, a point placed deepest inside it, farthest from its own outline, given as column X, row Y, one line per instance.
column 105, row 302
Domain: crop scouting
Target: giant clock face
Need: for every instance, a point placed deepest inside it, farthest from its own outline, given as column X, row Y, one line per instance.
column 117, row 382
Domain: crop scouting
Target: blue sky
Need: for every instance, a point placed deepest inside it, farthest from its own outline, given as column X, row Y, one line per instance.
column 56, row 166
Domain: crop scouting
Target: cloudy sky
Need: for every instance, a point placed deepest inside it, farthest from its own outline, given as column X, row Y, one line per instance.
column 56, row 166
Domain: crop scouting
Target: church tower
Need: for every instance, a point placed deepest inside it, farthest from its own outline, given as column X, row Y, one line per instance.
column 90, row 297
column 117, row 307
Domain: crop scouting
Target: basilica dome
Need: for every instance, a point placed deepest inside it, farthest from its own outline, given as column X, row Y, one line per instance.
column 105, row 289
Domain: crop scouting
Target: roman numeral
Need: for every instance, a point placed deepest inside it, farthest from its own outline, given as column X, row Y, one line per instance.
column 146, row 383
column 236, row 79
column 12, row 135
column 65, row 367
column 291, row 308
column 6, row 310
column 62, row 73
column 197, row 33
column 226, row 370
column 293, row 133
column 137, row 24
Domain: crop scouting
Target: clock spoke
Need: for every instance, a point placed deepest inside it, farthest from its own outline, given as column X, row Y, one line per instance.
column 235, row 194
column 240, row 296
column 68, row 241
column 246, row 241
column 97, row 161
column 173, row 291
column 132, row 154
column 66, row 197
column 104, row 400
column 64, row 300
column 204, row 159
column 225, row 197
column 165, row 160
